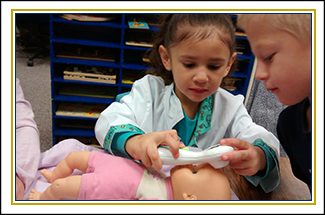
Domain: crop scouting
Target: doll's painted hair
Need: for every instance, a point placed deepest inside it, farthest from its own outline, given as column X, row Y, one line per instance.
column 299, row 25
column 176, row 28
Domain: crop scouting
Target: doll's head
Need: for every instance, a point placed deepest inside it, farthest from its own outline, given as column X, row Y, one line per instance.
column 201, row 182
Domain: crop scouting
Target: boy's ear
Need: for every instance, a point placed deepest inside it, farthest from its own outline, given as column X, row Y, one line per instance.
column 189, row 197
column 230, row 63
column 164, row 55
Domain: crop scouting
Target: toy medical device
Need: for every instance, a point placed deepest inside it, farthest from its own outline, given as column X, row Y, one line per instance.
column 211, row 155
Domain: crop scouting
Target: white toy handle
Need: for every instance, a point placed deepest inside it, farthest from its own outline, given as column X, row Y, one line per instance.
column 211, row 156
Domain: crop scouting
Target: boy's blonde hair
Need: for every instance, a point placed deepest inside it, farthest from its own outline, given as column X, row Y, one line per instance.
column 299, row 25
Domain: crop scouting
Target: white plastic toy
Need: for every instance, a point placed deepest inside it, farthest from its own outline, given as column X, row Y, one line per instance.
column 210, row 155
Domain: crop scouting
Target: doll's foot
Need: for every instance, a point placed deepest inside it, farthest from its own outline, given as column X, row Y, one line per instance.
column 34, row 195
column 47, row 175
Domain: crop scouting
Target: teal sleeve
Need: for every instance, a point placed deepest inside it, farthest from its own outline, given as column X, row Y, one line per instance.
column 271, row 158
column 118, row 143
column 116, row 137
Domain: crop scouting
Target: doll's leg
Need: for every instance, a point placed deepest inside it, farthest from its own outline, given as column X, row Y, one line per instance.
column 74, row 160
column 61, row 188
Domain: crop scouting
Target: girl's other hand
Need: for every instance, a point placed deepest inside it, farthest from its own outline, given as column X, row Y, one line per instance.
column 246, row 159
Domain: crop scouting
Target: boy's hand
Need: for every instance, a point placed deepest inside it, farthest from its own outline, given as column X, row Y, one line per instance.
column 246, row 159
column 144, row 147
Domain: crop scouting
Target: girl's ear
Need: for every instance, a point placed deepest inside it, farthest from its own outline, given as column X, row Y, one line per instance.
column 230, row 63
column 164, row 55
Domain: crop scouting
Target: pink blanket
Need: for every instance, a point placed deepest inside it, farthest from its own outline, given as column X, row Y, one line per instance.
column 50, row 158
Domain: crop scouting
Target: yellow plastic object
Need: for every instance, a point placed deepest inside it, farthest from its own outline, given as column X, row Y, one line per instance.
column 185, row 148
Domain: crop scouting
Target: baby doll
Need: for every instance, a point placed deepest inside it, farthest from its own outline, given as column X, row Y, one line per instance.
column 109, row 177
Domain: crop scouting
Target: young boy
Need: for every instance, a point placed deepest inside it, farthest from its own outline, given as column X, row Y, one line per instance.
column 282, row 46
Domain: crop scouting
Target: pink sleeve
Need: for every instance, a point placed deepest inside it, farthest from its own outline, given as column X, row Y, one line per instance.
column 27, row 139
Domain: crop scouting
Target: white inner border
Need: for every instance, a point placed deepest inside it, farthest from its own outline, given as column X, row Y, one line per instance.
column 6, row 138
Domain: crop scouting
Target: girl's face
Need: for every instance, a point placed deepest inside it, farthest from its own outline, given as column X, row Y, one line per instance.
column 283, row 62
column 198, row 67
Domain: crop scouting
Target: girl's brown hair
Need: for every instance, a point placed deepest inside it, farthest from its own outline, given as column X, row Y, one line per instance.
column 178, row 27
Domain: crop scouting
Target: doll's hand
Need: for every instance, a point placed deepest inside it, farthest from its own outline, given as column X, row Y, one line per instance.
column 246, row 159
column 144, row 147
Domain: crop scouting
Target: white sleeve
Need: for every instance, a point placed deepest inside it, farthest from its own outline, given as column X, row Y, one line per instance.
column 134, row 108
column 27, row 140
column 244, row 128
column 250, row 133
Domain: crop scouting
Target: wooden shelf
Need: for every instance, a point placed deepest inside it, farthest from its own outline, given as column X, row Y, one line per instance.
column 111, row 35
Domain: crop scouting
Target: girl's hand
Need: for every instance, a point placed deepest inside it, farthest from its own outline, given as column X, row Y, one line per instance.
column 246, row 159
column 144, row 147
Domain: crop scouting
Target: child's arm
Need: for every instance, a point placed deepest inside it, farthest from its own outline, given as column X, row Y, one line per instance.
column 132, row 115
column 136, row 114
column 244, row 129
column 27, row 143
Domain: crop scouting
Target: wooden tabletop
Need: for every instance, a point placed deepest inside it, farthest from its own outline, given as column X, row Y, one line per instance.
column 290, row 187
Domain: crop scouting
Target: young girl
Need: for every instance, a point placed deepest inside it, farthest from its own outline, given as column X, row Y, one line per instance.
column 282, row 46
column 180, row 103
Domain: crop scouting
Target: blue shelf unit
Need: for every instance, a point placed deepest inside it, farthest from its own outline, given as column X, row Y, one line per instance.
column 112, row 36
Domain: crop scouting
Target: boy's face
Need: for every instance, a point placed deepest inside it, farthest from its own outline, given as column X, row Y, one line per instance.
column 283, row 62
column 198, row 67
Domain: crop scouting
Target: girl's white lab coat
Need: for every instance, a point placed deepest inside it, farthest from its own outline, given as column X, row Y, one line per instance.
column 152, row 106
